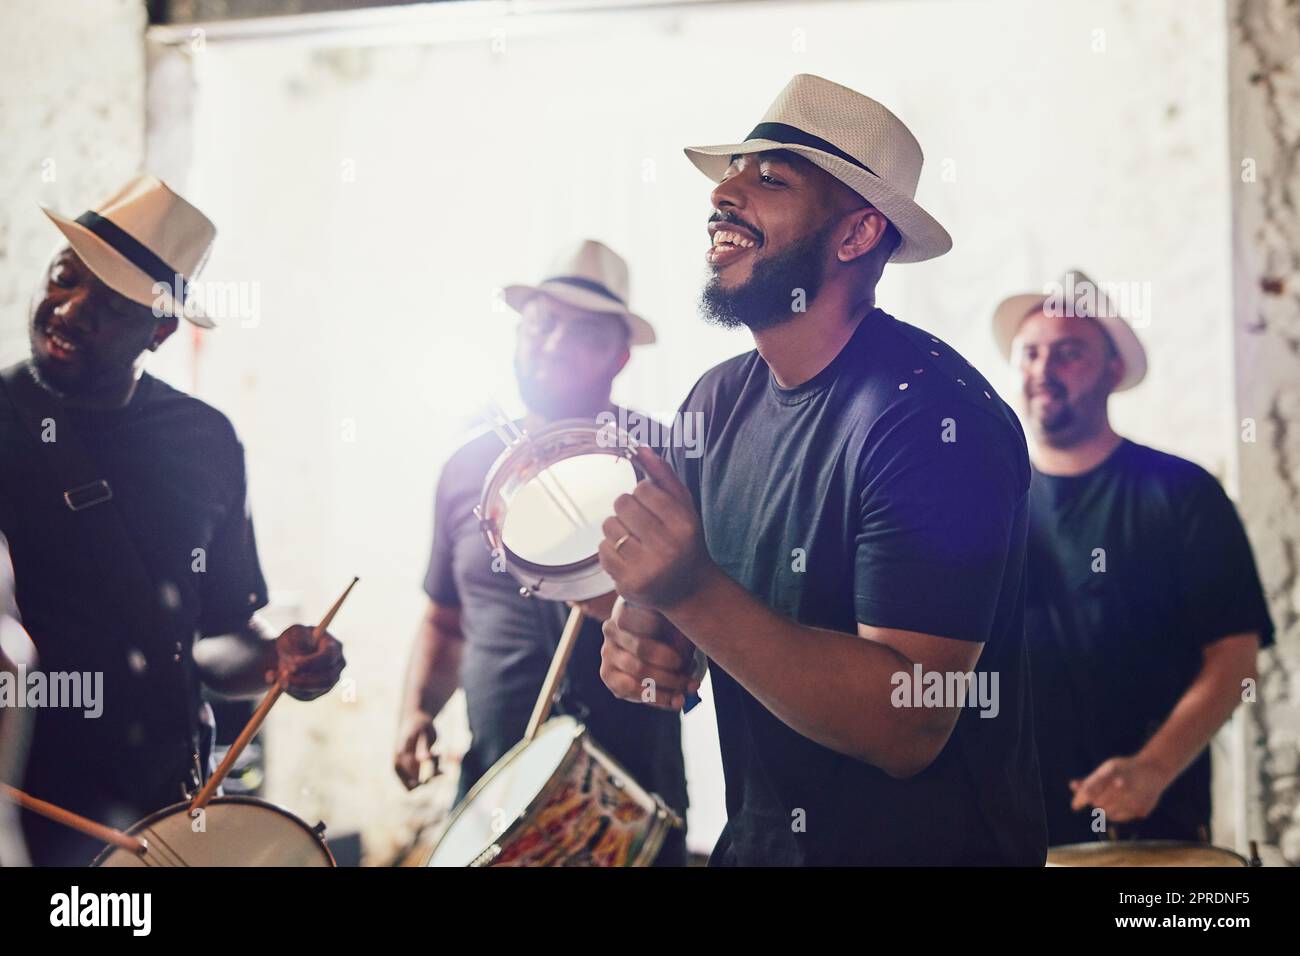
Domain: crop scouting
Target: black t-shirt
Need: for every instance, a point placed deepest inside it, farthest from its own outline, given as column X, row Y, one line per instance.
column 1134, row 568
column 901, row 479
column 509, row 642
column 176, row 469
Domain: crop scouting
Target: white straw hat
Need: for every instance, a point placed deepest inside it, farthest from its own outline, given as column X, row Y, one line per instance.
column 142, row 236
column 588, row 275
column 857, row 141
column 1078, row 295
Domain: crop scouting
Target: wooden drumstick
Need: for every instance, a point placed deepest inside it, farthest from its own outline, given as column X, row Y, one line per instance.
column 96, row 831
column 568, row 640
column 259, row 715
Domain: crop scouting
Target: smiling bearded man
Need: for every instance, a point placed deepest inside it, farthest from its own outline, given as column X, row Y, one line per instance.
column 1145, row 611
column 859, row 511
column 125, row 505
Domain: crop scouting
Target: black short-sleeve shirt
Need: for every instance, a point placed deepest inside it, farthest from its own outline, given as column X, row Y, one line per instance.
column 176, row 469
column 1134, row 568
column 509, row 642
column 890, row 490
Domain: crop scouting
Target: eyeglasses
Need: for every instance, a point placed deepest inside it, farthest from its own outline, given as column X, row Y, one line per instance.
column 589, row 332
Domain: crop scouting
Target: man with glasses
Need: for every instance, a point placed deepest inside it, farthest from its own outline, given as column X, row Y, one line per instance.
column 478, row 632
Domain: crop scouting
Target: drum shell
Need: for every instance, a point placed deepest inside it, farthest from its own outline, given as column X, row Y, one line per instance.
column 1143, row 853
column 239, row 831
column 586, row 777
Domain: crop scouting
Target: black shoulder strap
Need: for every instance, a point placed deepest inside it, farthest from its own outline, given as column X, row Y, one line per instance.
column 81, row 489
column 42, row 414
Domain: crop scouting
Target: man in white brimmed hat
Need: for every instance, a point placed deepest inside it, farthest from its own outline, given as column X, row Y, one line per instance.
column 853, row 531
column 591, row 277
column 124, row 504
column 478, row 632
column 1144, row 612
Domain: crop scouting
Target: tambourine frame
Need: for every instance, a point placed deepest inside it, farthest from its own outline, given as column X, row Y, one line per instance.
column 523, row 461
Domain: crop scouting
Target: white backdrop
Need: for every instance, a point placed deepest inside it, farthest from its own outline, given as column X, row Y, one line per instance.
column 379, row 196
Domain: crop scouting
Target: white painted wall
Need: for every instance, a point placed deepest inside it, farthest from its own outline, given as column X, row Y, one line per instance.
column 72, row 120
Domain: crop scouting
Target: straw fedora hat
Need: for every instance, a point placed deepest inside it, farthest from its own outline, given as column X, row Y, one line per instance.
column 588, row 275
column 857, row 141
column 144, row 242
column 1078, row 295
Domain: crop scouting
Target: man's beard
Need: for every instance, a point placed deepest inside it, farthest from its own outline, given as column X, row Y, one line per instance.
column 1059, row 421
column 768, row 298
column 1076, row 421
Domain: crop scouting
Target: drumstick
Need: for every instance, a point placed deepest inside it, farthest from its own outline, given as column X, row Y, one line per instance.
column 568, row 640
column 259, row 715
column 96, row 831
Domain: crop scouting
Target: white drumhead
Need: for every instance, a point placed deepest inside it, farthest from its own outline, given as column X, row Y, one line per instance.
column 554, row 520
column 234, row 833
column 504, row 793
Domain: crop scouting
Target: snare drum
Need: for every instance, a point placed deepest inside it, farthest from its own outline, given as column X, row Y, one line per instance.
column 557, row 800
column 545, row 499
column 1142, row 853
column 236, row 831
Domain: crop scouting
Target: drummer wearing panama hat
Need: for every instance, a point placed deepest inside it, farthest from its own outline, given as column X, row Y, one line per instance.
column 124, row 504
column 854, row 524
column 576, row 330
column 1144, row 611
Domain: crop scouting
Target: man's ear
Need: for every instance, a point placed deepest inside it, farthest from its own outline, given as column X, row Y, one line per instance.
column 166, row 326
column 867, row 227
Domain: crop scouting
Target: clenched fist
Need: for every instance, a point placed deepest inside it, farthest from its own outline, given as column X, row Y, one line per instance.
column 645, row 659
column 308, row 665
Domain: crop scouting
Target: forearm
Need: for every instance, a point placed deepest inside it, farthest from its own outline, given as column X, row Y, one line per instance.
column 433, row 670
column 237, row 664
column 832, row 687
column 1199, row 713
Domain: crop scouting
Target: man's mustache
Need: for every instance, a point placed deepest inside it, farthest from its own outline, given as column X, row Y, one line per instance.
column 1050, row 388
column 733, row 219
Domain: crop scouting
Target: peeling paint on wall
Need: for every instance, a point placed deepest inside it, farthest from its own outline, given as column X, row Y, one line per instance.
column 1264, row 95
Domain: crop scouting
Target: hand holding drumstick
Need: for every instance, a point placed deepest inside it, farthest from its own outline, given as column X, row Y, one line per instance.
column 310, row 663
